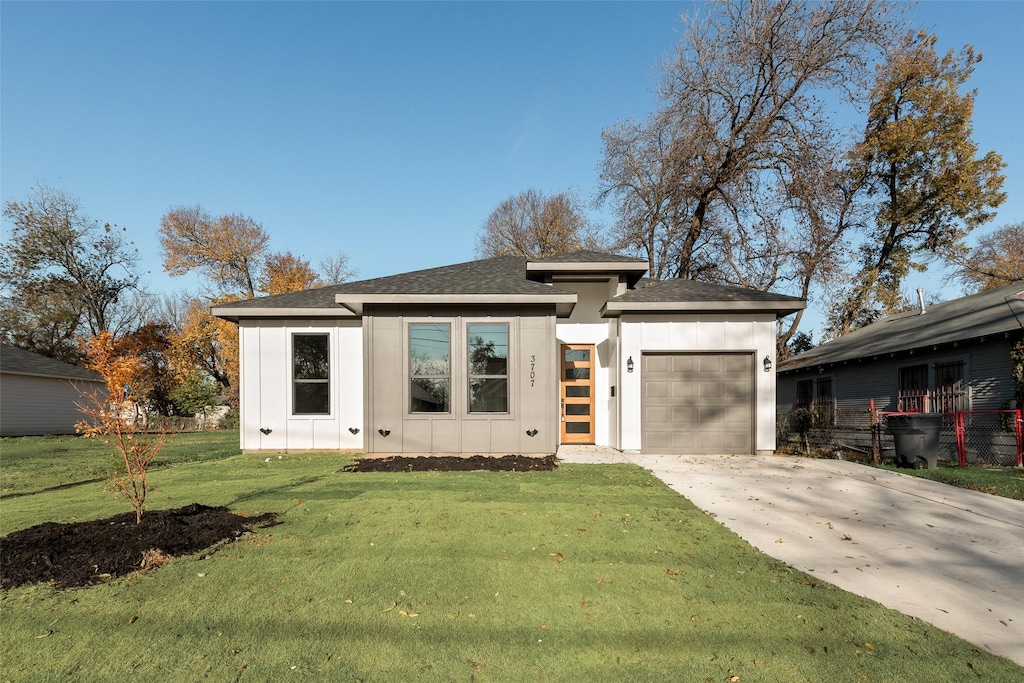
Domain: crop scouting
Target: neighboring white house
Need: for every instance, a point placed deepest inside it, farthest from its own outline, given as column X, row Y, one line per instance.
column 510, row 355
column 38, row 395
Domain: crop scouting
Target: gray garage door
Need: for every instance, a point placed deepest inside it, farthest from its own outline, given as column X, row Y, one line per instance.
column 697, row 403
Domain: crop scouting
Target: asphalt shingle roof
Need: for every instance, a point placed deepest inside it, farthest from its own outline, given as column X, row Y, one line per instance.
column 503, row 275
column 993, row 312
column 18, row 361
column 691, row 290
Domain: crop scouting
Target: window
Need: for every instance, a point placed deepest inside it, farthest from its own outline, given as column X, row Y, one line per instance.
column 488, row 368
column 913, row 389
column 816, row 396
column 311, row 388
column 805, row 394
column 950, row 396
column 824, row 402
column 430, row 368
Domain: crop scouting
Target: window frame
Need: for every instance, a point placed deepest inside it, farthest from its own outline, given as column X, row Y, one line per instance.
column 471, row 376
column 296, row 381
column 411, row 377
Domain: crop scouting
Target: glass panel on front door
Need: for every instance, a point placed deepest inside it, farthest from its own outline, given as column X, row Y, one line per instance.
column 577, row 394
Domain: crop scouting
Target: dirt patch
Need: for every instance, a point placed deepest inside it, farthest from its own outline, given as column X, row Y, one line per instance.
column 506, row 463
column 86, row 553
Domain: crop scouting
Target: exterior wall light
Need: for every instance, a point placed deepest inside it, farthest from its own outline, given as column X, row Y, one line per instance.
column 629, row 364
column 767, row 364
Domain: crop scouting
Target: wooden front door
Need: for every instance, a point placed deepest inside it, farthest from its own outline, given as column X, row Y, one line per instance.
column 576, row 390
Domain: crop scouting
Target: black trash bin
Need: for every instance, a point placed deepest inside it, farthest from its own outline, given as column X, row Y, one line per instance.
column 917, row 439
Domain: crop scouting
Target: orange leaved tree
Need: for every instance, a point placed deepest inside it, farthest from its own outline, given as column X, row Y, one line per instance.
column 112, row 414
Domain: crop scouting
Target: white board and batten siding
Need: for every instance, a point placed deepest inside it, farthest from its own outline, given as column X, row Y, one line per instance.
column 267, row 396
column 733, row 340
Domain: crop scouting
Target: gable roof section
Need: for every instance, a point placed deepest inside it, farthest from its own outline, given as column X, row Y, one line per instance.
column 679, row 295
column 994, row 312
column 495, row 280
column 18, row 361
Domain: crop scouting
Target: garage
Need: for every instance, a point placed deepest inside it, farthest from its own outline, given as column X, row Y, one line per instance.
column 697, row 403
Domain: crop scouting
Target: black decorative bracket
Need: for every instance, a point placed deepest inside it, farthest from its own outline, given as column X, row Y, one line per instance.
column 383, row 431
column 354, row 430
column 266, row 430
column 531, row 432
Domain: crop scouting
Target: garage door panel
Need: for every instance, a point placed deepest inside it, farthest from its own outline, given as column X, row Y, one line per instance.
column 683, row 390
column 656, row 390
column 685, row 417
column 657, row 414
column 697, row 403
column 682, row 364
column 658, row 364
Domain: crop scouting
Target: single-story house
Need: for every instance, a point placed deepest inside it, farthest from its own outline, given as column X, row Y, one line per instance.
column 39, row 395
column 949, row 357
column 511, row 355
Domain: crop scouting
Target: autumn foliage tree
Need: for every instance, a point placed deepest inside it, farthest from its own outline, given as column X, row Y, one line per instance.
column 232, row 252
column 919, row 163
column 111, row 414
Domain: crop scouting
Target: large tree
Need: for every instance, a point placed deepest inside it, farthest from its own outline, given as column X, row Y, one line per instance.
column 534, row 225
column 232, row 252
column 229, row 250
column 64, row 275
column 996, row 260
column 740, row 103
column 922, row 168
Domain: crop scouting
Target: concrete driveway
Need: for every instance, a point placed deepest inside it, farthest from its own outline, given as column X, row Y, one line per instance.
column 951, row 557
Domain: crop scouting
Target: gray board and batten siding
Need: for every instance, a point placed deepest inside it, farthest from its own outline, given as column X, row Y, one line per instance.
column 529, row 425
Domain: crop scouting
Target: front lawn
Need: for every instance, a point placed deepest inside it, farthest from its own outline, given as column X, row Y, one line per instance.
column 585, row 573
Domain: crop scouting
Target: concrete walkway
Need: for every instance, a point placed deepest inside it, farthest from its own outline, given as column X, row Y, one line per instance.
column 951, row 557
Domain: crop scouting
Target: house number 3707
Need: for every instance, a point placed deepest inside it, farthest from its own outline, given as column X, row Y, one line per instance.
column 533, row 370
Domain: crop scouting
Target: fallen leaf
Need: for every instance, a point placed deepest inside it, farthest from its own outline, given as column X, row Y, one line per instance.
column 543, row 627
column 557, row 556
column 393, row 606
column 869, row 646
column 132, row 619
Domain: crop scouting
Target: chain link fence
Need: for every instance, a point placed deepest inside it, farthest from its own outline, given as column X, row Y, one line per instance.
column 986, row 437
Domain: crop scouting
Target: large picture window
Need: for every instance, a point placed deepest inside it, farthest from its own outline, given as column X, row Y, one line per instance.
column 311, row 384
column 430, row 373
column 488, row 368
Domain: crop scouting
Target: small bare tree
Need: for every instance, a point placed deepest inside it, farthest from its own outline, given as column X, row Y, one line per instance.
column 110, row 415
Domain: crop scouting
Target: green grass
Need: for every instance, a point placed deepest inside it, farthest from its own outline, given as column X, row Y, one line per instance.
column 34, row 463
column 1007, row 482
column 587, row 573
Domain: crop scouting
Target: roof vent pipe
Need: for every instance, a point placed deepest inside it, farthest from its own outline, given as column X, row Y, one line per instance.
column 920, row 298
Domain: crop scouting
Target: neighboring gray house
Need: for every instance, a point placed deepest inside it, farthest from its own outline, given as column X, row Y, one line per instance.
column 953, row 356
column 511, row 355
column 38, row 395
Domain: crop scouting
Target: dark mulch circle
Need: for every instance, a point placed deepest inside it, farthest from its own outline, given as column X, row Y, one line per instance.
column 87, row 553
column 506, row 463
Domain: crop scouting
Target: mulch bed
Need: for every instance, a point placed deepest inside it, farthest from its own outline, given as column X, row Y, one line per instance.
column 87, row 553
column 506, row 463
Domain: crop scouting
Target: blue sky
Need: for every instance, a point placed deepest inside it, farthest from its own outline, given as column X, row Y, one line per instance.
column 388, row 131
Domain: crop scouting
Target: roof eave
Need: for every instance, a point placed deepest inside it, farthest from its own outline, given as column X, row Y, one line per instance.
column 563, row 302
column 235, row 313
column 613, row 309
